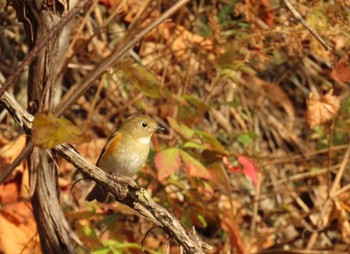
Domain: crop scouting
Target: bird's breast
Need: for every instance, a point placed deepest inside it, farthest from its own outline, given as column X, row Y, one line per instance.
column 127, row 160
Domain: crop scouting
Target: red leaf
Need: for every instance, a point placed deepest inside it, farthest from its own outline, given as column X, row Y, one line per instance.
column 267, row 13
column 167, row 162
column 249, row 168
column 232, row 168
column 341, row 73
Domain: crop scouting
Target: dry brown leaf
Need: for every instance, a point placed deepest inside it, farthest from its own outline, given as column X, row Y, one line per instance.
column 321, row 109
column 9, row 193
column 18, row 230
column 182, row 41
column 10, row 151
column 277, row 95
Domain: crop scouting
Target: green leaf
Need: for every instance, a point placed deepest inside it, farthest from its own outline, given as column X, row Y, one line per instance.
column 318, row 20
column 226, row 59
column 245, row 139
column 181, row 128
column 102, row 250
column 202, row 220
column 202, row 27
column 88, row 231
column 211, row 142
column 196, row 102
column 192, row 145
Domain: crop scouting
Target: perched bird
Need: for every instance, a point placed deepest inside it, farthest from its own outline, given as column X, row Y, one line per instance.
column 125, row 151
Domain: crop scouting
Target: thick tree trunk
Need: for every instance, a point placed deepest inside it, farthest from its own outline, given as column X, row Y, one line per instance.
column 52, row 226
column 39, row 17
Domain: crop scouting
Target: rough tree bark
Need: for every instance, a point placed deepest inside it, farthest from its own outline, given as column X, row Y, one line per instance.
column 39, row 17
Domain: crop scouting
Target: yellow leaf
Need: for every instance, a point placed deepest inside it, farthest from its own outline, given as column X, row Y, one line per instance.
column 49, row 131
column 144, row 79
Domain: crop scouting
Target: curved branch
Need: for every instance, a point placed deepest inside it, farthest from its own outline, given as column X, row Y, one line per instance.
column 126, row 191
column 123, row 188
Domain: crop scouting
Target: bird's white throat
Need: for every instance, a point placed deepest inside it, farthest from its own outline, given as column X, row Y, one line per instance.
column 145, row 140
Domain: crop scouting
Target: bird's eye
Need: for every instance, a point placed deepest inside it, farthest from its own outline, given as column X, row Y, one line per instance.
column 144, row 125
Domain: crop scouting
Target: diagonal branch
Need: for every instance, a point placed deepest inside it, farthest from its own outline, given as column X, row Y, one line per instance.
column 43, row 42
column 298, row 16
column 70, row 98
column 124, row 189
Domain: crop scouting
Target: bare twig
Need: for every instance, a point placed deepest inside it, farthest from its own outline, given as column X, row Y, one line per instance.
column 72, row 96
column 298, row 16
column 25, row 120
column 41, row 44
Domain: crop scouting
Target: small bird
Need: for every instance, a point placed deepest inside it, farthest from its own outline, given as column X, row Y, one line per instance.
column 125, row 151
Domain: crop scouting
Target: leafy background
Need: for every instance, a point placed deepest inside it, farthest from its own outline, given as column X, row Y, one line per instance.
column 256, row 151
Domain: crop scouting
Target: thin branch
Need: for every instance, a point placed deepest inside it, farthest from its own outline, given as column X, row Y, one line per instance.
column 298, row 17
column 10, row 168
column 25, row 120
column 85, row 84
column 125, row 190
column 41, row 44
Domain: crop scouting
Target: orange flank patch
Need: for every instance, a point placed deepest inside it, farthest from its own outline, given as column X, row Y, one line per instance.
column 112, row 144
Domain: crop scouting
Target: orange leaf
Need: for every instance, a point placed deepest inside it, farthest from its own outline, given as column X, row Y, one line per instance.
column 341, row 73
column 266, row 10
column 321, row 109
column 229, row 224
column 167, row 162
column 17, row 227
column 193, row 167
column 10, row 151
column 9, row 192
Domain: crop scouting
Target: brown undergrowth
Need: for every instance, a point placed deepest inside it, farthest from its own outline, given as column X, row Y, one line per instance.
column 237, row 85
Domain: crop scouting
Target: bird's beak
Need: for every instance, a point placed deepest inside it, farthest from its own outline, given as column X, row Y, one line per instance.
column 159, row 128
column 155, row 127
